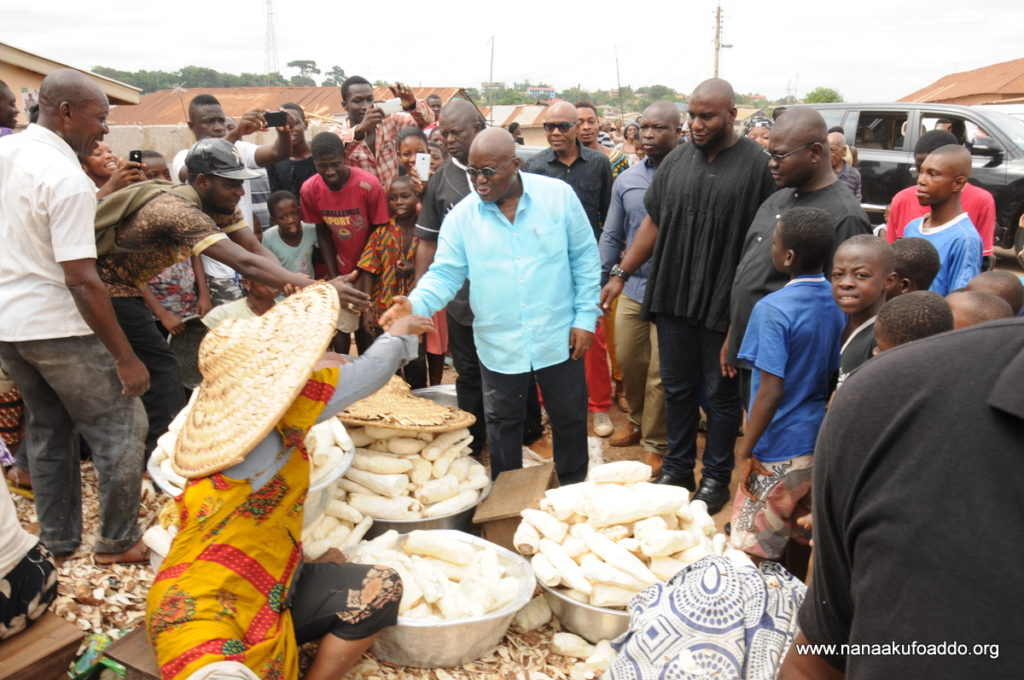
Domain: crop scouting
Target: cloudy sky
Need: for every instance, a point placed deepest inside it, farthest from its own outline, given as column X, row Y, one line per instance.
column 871, row 50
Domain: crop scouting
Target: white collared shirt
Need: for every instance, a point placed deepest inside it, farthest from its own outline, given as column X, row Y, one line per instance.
column 47, row 216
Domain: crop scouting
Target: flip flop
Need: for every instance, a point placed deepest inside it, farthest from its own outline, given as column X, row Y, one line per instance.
column 20, row 490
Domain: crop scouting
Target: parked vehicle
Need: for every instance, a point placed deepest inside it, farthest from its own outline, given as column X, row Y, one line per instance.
column 885, row 135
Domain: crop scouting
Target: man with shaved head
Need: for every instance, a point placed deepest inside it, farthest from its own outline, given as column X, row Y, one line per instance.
column 801, row 165
column 527, row 246
column 847, row 174
column 942, row 179
column 637, row 341
column 460, row 123
column 699, row 206
column 59, row 338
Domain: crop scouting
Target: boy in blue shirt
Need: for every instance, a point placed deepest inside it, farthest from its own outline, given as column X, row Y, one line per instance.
column 939, row 184
column 292, row 240
column 792, row 345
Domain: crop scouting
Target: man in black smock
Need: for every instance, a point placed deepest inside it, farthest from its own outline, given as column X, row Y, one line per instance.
column 699, row 205
column 800, row 164
column 918, row 525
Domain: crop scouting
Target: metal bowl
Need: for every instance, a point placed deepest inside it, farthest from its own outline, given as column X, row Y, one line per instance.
column 586, row 620
column 442, row 394
column 443, row 644
column 459, row 521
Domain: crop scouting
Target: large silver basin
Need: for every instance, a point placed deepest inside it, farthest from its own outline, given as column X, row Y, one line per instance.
column 444, row 644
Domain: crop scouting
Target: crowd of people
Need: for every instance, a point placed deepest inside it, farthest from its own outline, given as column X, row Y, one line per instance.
column 691, row 273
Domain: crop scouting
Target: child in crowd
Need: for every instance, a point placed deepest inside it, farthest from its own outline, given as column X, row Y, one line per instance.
column 862, row 275
column 154, row 165
column 412, row 141
column 792, row 345
column 971, row 307
column 939, row 185
column 915, row 315
column 259, row 298
column 346, row 204
column 917, row 263
column 388, row 267
column 438, row 155
column 292, row 240
column 1001, row 284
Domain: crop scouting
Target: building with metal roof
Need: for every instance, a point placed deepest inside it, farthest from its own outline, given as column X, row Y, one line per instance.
column 987, row 85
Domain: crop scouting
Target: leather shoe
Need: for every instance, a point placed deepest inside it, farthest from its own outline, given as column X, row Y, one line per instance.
column 714, row 493
column 629, row 435
column 683, row 480
column 654, row 460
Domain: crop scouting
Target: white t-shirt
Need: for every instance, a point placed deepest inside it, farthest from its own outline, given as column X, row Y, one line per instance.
column 219, row 270
column 47, row 216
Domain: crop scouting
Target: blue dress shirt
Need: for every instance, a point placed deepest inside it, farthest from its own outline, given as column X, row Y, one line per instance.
column 625, row 214
column 533, row 279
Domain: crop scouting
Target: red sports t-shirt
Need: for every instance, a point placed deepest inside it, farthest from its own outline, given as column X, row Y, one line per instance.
column 976, row 202
column 349, row 212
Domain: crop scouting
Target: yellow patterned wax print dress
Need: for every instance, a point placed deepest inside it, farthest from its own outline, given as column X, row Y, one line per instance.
column 220, row 593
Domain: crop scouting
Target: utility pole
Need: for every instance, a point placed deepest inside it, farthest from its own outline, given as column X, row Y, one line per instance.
column 618, row 81
column 718, row 36
column 490, row 90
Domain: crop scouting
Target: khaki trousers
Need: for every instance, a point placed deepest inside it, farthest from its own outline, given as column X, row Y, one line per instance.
column 636, row 345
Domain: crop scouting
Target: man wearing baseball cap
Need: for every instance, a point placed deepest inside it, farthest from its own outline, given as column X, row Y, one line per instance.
column 143, row 229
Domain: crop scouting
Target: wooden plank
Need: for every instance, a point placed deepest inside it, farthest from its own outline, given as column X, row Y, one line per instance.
column 41, row 652
column 134, row 653
column 515, row 490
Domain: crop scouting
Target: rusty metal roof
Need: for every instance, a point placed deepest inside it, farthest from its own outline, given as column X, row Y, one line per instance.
column 168, row 107
column 1002, row 80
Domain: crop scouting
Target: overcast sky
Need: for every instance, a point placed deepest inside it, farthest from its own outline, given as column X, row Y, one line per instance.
column 871, row 50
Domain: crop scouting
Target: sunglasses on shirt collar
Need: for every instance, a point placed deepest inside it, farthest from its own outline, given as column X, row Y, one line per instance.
column 562, row 127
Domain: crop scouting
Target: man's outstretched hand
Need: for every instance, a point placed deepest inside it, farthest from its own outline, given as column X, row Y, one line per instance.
column 411, row 324
column 401, row 307
column 352, row 299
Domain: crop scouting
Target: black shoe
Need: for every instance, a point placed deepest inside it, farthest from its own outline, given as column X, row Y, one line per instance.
column 684, row 480
column 714, row 493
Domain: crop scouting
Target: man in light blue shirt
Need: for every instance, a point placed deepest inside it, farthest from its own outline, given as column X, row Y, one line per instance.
column 527, row 245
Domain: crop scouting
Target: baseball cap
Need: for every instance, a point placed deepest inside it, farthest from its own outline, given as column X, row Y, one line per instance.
column 217, row 156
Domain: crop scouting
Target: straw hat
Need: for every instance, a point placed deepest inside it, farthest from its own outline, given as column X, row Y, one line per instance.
column 253, row 369
column 393, row 406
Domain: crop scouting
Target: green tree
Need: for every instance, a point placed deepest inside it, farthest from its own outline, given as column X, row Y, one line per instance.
column 307, row 67
column 823, row 95
column 574, row 94
column 656, row 92
column 381, row 83
column 335, row 76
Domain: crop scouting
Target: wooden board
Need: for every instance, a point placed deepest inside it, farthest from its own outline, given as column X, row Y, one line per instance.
column 513, row 492
column 134, row 653
column 41, row 652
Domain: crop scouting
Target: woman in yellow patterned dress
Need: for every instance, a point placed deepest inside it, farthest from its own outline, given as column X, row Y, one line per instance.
column 233, row 590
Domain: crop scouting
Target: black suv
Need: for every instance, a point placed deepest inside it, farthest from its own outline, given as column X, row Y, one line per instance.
column 885, row 135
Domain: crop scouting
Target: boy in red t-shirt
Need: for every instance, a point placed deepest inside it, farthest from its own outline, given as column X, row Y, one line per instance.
column 346, row 204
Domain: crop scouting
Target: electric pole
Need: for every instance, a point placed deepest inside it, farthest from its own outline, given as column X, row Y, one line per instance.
column 718, row 36
column 490, row 90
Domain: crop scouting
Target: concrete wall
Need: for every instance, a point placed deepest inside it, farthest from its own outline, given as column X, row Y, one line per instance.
column 169, row 139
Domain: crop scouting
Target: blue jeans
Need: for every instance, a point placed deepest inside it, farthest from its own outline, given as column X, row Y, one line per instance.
column 70, row 386
column 691, row 374
column 564, row 387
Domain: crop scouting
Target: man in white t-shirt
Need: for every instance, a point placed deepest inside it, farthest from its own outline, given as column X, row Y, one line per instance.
column 59, row 338
column 206, row 118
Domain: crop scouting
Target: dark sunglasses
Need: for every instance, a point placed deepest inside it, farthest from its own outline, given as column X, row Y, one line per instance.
column 563, row 127
column 486, row 172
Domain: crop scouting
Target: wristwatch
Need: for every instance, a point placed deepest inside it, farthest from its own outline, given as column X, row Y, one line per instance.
column 620, row 272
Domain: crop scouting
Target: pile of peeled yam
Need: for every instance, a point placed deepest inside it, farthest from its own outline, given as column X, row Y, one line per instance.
column 443, row 575
column 605, row 539
column 404, row 475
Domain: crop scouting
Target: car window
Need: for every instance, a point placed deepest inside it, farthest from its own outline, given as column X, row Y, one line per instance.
column 881, row 130
column 964, row 129
column 833, row 117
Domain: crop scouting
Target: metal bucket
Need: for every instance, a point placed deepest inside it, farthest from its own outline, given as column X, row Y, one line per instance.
column 443, row 644
column 459, row 521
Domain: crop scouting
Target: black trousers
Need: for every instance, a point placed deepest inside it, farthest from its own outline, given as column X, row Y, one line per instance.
column 166, row 394
column 565, row 385
column 470, row 393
